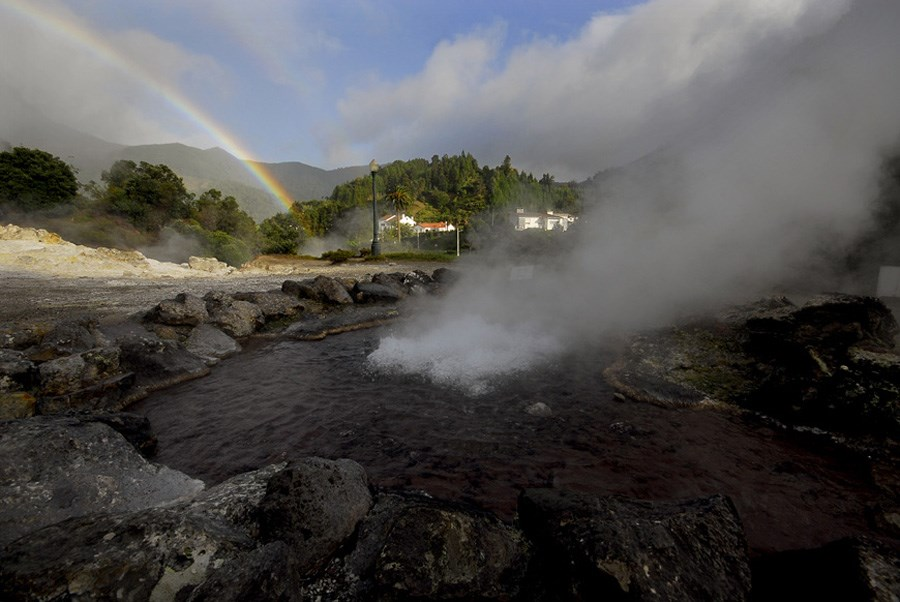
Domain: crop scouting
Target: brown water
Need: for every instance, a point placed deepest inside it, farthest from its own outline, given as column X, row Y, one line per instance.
column 293, row 399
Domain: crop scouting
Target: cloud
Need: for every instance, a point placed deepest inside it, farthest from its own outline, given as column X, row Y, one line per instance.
column 772, row 182
column 115, row 85
column 625, row 85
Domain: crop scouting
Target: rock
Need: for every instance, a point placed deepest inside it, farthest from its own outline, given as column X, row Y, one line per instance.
column 211, row 344
column 617, row 548
column 92, row 380
column 236, row 501
column 313, row 505
column 21, row 337
column 260, row 574
column 74, row 372
column 16, row 404
column 183, row 310
column 394, row 282
column 847, row 569
column 17, row 372
column 134, row 427
column 209, row 264
column 321, row 288
column 412, row 547
column 372, row 292
column 827, row 363
column 152, row 554
column 236, row 318
column 158, row 363
column 445, row 276
column 274, row 305
column 83, row 467
column 350, row 318
column 68, row 337
column 539, row 409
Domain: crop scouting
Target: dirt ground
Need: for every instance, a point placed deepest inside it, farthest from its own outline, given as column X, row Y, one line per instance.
column 44, row 279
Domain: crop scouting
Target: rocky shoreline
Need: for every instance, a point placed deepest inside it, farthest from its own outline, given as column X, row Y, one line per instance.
column 89, row 516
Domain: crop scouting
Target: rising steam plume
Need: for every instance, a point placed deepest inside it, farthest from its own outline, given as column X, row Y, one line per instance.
column 775, row 176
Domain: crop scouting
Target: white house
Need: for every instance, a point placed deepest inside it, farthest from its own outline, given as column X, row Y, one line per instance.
column 530, row 220
column 388, row 222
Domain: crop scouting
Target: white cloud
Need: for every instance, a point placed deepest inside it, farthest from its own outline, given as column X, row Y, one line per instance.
column 625, row 85
column 123, row 86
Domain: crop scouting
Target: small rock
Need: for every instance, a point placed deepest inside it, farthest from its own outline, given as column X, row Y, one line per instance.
column 539, row 409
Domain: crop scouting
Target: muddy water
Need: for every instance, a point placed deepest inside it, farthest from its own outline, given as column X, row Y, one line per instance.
column 293, row 399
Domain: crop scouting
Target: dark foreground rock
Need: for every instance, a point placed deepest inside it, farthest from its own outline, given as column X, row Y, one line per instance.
column 828, row 363
column 848, row 569
column 616, row 549
column 56, row 467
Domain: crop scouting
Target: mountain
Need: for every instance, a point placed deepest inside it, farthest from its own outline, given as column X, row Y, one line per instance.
column 200, row 169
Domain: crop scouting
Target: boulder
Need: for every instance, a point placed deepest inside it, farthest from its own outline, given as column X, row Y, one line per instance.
column 16, row 404
column 617, row 548
column 17, row 372
column 83, row 467
column 92, row 380
column 158, row 363
column 77, row 371
column 152, row 554
column 236, row 318
column 412, row 547
column 211, row 344
column 68, row 337
column 209, row 264
column 321, row 288
column 275, row 305
column 394, row 281
column 372, row 292
column 827, row 363
column 445, row 276
column 183, row 310
column 313, row 505
column 848, row 569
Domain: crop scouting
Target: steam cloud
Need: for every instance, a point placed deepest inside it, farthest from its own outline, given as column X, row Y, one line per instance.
column 776, row 173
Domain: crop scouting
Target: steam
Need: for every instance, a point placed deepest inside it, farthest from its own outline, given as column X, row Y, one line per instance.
column 777, row 179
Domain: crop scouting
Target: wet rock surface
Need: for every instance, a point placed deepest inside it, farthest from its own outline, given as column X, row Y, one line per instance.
column 618, row 548
column 828, row 363
column 66, row 466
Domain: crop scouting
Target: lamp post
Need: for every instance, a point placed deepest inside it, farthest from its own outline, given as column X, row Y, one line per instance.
column 376, row 244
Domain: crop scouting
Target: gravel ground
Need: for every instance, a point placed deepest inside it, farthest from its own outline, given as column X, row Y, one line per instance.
column 34, row 297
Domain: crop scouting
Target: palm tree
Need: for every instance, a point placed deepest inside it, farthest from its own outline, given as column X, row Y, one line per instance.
column 401, row 200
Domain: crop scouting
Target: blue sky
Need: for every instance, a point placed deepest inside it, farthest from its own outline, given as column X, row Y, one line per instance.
column 562, row 86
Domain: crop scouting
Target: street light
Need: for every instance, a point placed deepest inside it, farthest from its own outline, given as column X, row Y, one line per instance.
column 376, row 244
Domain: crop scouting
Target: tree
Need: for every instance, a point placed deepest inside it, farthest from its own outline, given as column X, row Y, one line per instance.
column 401, row 199
column 281, row 234
column 149, row 196
column 34, row 179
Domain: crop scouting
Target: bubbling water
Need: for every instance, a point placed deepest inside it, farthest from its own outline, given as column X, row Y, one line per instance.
column 467, row 353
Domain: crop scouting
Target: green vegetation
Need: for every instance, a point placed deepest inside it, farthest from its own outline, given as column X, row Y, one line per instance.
column 144, row 205
column 32, row 179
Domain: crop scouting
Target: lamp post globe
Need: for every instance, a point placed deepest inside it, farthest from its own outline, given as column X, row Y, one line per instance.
column 376, row 244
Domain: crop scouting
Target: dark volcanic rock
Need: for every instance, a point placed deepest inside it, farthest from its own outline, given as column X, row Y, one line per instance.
column 827, row 363
column 372, row 292
column 236, row 318
column 348, row 318
column 615, row 548
column 211, row 344
column 847, row 569
column 153, row 554
column 158, row 363
column 321, row 288
column 261, row 574
column 82, row 467
column 183, row 310
column 274, row 305
column 17, row 372
column 411, row 547
column 314, row 505
column 68, row 337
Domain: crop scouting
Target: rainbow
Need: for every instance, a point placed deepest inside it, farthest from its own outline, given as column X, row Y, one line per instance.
column 36, row 13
